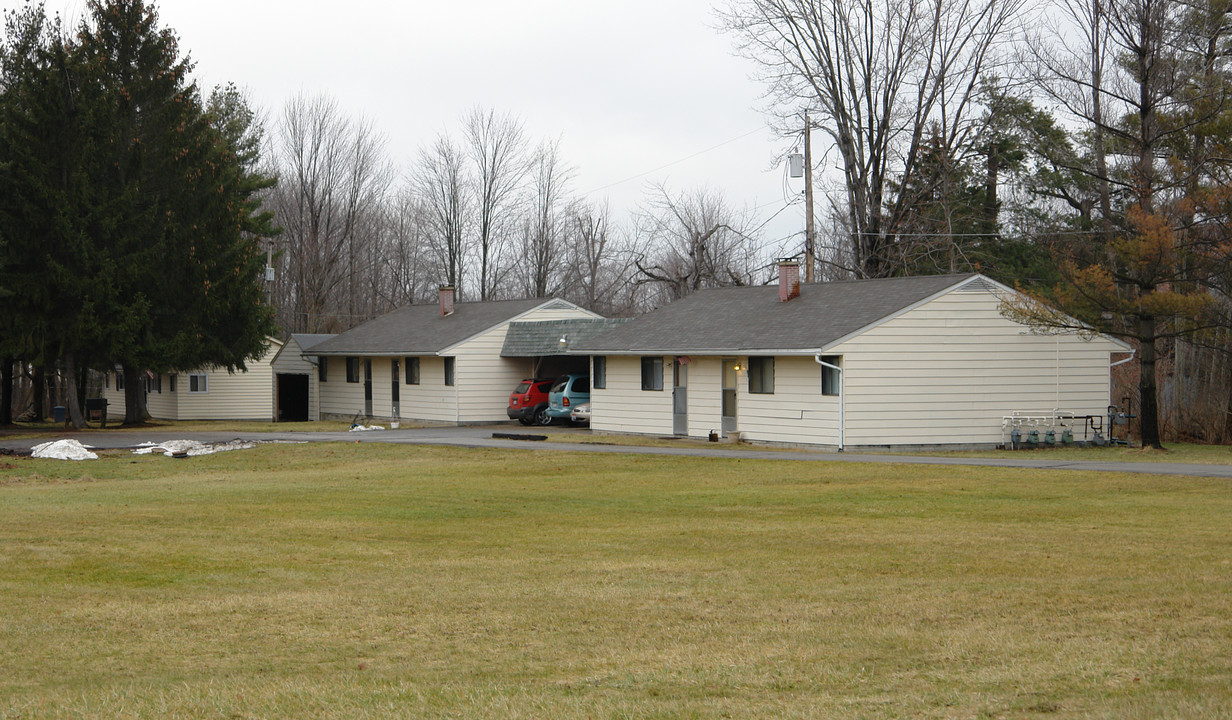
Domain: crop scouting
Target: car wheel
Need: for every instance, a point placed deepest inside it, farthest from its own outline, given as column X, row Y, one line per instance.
column 542, row 417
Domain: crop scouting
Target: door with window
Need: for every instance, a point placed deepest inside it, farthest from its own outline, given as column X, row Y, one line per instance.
column 368, row 387
column 680, row 396
column 729, row 396
column 395, row 391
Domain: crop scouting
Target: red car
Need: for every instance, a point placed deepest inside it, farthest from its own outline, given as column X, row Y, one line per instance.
column 528, row 403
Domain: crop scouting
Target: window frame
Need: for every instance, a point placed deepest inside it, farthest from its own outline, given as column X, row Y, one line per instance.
column 412, row 370
column 202, row 383
column 598, row 372
column 652, row 370
column 352, row 369
column 759, row 367
column 451, row 371
column 322, row 369
column 831, row 379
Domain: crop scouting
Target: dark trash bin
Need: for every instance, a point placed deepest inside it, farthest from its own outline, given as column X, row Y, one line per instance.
column 96, row 410
column 58, row 413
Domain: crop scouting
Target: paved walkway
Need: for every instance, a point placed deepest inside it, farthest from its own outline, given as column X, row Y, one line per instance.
column 482, row 437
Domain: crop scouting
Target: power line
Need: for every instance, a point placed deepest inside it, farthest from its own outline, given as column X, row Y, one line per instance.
column 675, row 162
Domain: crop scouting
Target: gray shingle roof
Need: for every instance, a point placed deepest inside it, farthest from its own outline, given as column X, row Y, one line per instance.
column 307, row 340
column 730, row 320
column 420, row 329
column 540, row 339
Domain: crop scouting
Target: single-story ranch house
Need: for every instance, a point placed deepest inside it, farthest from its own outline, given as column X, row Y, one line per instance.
column 913, row 361
column 206, row 394
column 437, row 362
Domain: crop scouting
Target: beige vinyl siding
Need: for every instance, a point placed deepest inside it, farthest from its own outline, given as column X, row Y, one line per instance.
column 339, row 397
column 431, row 399
column 292, row 362
column 485, row 379
column 162, row 405
column 230, row 396
column 949, row 371
column 796, row 412
column 705, row 395
column 624, row 407
column 115, row 399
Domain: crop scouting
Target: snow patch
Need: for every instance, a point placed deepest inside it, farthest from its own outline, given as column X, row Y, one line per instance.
column 191, row 448
column 365, row 428
column 63, row 450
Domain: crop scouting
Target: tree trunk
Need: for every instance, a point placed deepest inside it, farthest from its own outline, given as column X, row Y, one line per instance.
column 6, row 391
column 1148, row 416
column 39, row 381
column 74, row 407
column 134, row 397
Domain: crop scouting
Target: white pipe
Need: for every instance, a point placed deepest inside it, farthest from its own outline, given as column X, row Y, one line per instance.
column 841, row 404
column 1132, row 352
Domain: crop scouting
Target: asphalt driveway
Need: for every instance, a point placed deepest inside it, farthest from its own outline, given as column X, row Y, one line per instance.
column 482, row 436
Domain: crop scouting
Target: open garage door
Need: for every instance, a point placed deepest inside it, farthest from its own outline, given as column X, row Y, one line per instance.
column 292, row 398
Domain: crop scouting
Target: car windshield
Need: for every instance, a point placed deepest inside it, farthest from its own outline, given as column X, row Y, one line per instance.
column 560, row 385
column 545, row 387
column 523, row 387
column 581, row 385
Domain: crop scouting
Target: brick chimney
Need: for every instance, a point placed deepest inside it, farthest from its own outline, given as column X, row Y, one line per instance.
column 446, row 300
column 789, row 279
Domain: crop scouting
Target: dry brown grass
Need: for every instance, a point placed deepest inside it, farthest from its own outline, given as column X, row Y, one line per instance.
column 344, row 581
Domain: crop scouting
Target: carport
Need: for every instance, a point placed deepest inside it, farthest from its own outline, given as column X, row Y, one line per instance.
column 547, row 344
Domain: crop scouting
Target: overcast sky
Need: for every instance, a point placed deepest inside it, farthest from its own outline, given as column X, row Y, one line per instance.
column 640, row 91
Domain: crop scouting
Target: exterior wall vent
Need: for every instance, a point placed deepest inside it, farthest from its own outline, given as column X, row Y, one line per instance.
column 979, row 285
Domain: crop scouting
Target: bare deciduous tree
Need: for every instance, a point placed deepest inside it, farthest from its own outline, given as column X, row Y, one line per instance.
column 332, row 185
column 878, row 73
column 439, row 180
column 497, row 147
column 691, row 241
column 545, row 226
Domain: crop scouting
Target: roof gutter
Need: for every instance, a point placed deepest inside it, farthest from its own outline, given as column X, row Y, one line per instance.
column 841, row 400
column 1132, row 352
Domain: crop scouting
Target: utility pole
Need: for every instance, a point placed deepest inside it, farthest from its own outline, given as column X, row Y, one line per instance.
column 810, row 250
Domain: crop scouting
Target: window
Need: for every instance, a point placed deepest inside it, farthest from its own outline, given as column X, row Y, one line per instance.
column 119, row 381
column 412, row 371
column 154, row 383
column 599, row 373
column 449, row 371
column 322, row 369
column 352, row 369
column 171, row 379
column 761, row 375
column 652, row 373
column 198, row 383
column 831, row 379
column 106, row 381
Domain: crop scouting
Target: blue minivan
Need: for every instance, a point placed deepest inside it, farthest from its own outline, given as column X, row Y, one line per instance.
column 568, row 392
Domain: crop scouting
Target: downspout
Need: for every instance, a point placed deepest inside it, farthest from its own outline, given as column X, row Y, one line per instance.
column 842, row 388
column 1132, row 352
